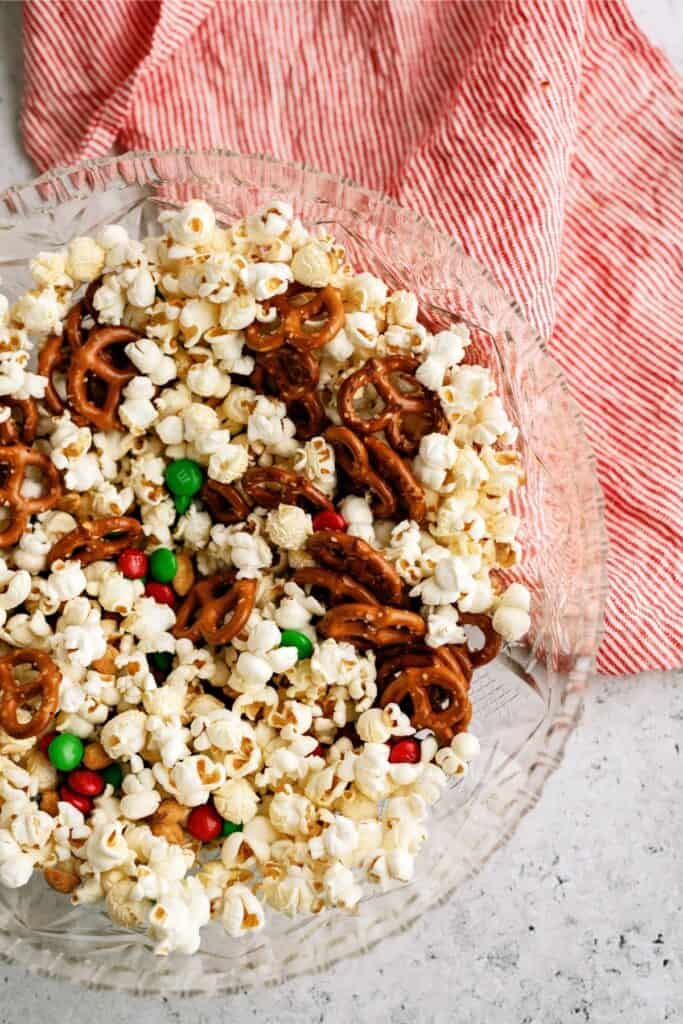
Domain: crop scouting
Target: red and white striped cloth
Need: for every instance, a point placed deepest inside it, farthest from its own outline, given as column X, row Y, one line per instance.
column 545, row 136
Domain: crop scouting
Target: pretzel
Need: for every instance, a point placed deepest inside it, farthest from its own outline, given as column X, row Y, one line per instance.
column 92, row 541
column 372, row 625
column 307, row 318
column 492, row 641
column 337, row 587
column 94, row 383
column 15, row 459
column 393, row 661
column 438, row 699
column 293, row 376
column 406, row 416
column 391, row 481
column 355, row 557
column 55, row 356
column 202, row 613
column 270, row 486
column 13, row 693
column 225, row 503
column 22, row 423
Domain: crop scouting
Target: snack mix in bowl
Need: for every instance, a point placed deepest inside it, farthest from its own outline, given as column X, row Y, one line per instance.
column 256, row 532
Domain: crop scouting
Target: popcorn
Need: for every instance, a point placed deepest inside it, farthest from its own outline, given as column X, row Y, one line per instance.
column 288, row 527
column 511, row 619
column 296, row 752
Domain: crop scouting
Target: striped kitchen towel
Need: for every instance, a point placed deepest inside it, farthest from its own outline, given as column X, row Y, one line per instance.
column 547, row 137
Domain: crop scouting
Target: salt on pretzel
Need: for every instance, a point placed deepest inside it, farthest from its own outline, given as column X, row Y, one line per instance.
column 306, row 318
column 371, row 464
column 97, row 539
column 409, row 410
column 15, row 694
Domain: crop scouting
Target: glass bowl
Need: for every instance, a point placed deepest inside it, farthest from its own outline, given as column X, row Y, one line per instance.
column 526, row 703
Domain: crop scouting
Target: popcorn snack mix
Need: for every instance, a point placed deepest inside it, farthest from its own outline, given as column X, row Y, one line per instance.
column 253, row 517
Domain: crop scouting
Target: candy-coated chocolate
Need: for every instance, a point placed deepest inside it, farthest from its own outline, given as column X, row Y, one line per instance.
column 229, row 827
column 85, row 783
column 293, row 638
column 405, row 751
column 161, row 592
column 205, row 823
column 133, row 563
column 45, row 741
column 82, row 803
column 162, row 661
column 112, row 775
column 66, row 752
column 162, row 565
column 329, row 520
column 184, row 477
column 182, row 502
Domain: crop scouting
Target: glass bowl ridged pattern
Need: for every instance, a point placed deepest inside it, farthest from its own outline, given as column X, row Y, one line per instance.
column 526, row 703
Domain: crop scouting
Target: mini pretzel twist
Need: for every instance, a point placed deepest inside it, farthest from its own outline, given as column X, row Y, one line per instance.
column 224, row 502
column 372, row 625
column 292, row 375
column 394, row 660
column 97, row 539
column 492, row 641
column 406, row 416
column 355, row 557
column 14, row 694
column 270, row 486
column 370, row 464
column 55, row 355
column 15, row 459
column 92, row 369
column 203, row 611
column 337, row 587
column 306, row 318
column 438, row 699
column 22, row 423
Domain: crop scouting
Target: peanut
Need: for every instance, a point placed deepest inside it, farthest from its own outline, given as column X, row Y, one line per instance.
column 184, row 577
column 48, row 802
column 168, row 821
column 96, row 757
column 63, row 879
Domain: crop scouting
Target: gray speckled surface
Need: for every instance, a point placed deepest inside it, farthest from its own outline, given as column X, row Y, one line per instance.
column 577, row 919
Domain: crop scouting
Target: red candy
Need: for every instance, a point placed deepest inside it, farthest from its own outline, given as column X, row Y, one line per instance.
column 162, row 593
column 82, row 803
column 406, row 751
column 329, row 520
column 133, row 563
column 205, row 823
column 85, row 783
column 45, row 741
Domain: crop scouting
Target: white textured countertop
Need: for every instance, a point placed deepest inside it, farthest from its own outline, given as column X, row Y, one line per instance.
column 578, row 918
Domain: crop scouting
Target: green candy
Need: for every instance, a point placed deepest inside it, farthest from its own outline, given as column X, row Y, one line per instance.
column 162, row 660
column 65, row 752
column 293, row 638
column 182, row 503
column 184, row 477
column 229, row 827
column 163, row 565
column 112, row 775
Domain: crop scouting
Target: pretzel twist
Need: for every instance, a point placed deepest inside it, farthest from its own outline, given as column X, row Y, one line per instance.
column 270, row 486
column 293, row 376
column 92, row 366
column 337, row 588
column 370, row 464
column 21, row 425
column 372, row 625
column 15, row 694
column 92, row 541
column 202, row 615
column 438, row 698
column 225, row 502
column 355, row 557
column 15, row 459
column 306, row 318
column 406, row 416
